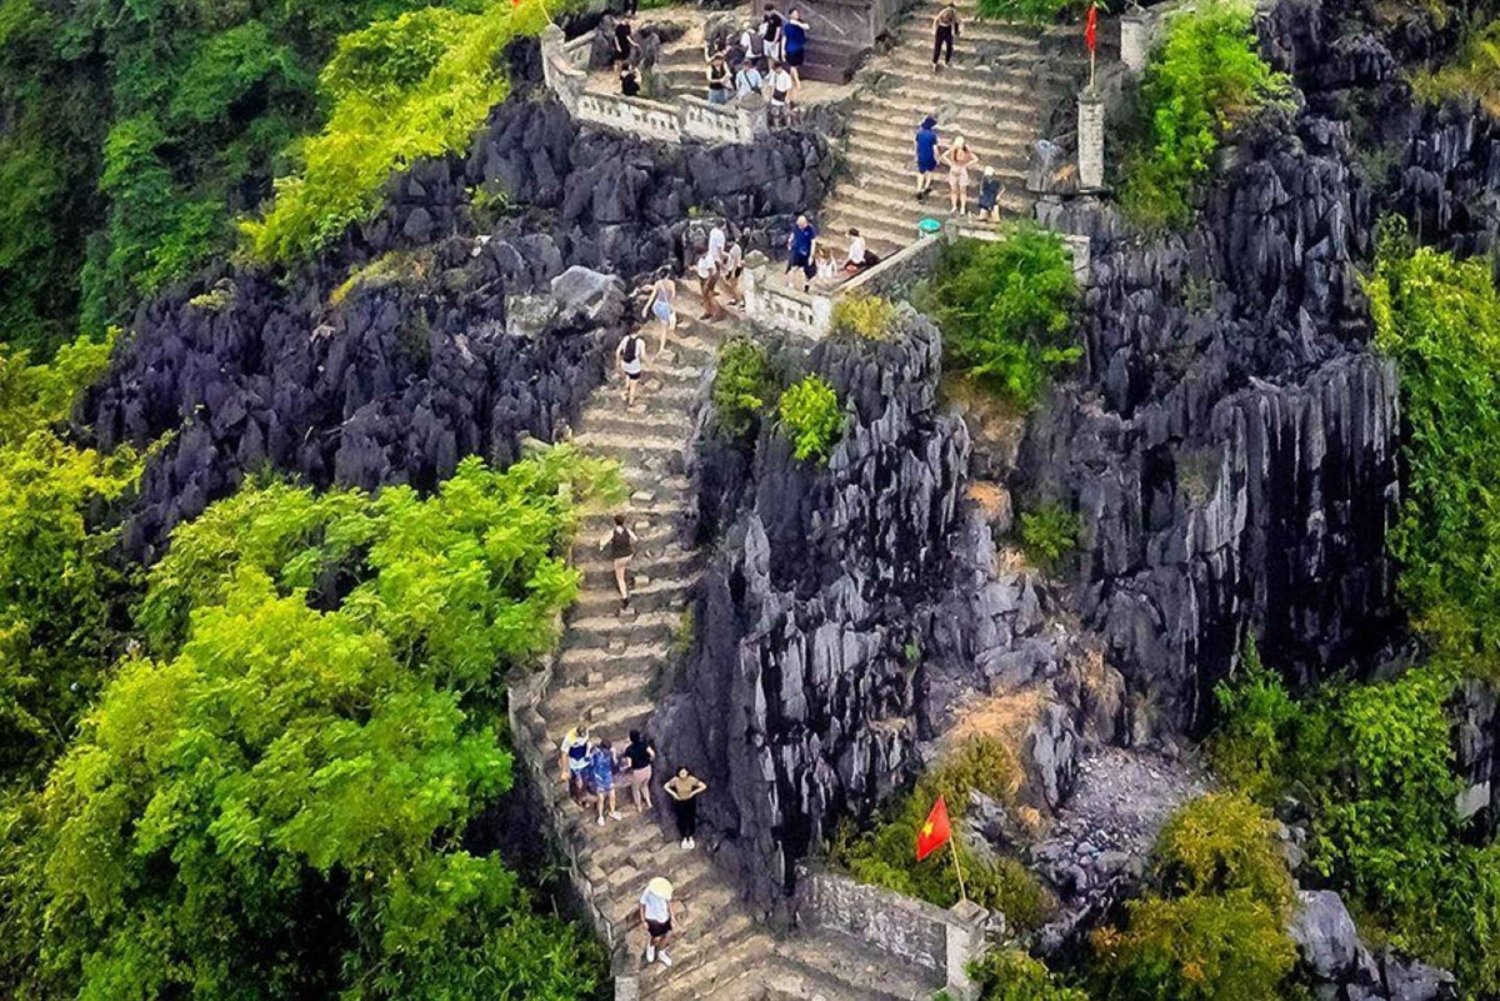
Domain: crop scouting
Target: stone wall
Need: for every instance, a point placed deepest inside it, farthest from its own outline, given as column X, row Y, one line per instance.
column 943, row 941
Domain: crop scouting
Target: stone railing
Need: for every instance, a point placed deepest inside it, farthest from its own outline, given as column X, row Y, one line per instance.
column 942, row 942
column 565, row 68
column 772, row 301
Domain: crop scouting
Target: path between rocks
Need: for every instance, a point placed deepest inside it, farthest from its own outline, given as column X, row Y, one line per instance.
column 608, row 671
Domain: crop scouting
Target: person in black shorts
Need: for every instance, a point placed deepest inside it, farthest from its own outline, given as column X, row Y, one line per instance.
column 656, row 911
column 624, row 40
column 944, row 30
column 620, row 545
column 801, row 251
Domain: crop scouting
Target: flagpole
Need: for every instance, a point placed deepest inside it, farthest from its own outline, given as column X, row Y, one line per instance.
column 953, row 843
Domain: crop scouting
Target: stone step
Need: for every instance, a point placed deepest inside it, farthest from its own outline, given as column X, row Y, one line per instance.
column 732, row 963
column 647, row 627
column 573, row 700
column 620, row 445
column 661, row 421
column 886, row 144
column 843, row 967
column 581, row 659
column 657, row 595
column 893, row 213
column 959, row 117
column 903, row 129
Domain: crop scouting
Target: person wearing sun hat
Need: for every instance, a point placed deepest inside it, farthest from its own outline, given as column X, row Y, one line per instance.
column 656, row 914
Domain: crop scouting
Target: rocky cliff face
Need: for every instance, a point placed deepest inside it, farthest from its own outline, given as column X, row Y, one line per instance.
column 460, row 338
column 1232, row 448
column 846, row 606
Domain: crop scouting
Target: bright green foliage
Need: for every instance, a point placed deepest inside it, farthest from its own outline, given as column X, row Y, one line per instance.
column 61, row 590
column 1257, row 711
column 1049, row 535
column 413, row 88
column 885, row 855
column 272, row 805
column 1008, row 974
column 1033, row 11
column 742, row 387
column 1440, row 320
column 1204, row 78
column 1211, row 926
column 811, row 418
column 1474, row 74
column 1374, row 763
column 134, row 133
column 860, row 314
column 456, row 582
column 1005, row 310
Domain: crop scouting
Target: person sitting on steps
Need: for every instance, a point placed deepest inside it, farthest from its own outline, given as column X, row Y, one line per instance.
column 859, row 256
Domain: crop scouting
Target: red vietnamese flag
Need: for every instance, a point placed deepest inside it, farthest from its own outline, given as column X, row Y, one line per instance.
column 1091, row 28
column 935, row 832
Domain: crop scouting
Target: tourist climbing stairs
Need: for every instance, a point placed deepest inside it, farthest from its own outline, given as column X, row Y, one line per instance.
column 998, row 94
column 608, row 672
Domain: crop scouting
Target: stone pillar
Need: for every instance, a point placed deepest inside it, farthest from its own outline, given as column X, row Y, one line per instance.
column 555, row 68
column 753, row 283
column 1082, row 249
column 1090, row 142
column 627, row 988
column 1135, row 39
column 965, row 929
column 753, row 118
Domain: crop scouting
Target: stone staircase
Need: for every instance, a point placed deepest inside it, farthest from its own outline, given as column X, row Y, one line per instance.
column 608, row 670
column 996, row 94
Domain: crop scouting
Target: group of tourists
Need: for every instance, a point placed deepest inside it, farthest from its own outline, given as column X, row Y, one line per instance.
column 817, row 262
column 961, row 161
column 762, row 60
column 592, row 768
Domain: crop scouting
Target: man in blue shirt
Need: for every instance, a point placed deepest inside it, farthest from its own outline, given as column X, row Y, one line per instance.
column 801, row 245
column 927, row 155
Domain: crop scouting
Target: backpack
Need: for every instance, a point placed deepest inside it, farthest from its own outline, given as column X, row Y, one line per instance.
column 631, row 348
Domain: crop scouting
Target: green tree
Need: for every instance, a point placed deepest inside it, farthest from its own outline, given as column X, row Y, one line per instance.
column 1212, row 925
column 62, row 588
column 1205, row 77
column 1005, row 308
column 271, row 803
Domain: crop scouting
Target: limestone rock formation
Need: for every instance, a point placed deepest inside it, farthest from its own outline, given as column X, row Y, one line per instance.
column 449, row 339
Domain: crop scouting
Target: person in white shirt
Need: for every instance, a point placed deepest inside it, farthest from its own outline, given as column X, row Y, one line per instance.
column 781, row 94
column 859, row 256
column 656, row 911
column 708, row 281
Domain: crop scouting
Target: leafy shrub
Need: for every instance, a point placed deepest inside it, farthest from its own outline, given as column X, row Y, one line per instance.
column 392, row 267
column 1212, row 925
column 1004, row 307
column 61, row 591
column 863, row 315
column 1008, row 974
column 278, row 792
column 1257, row 713
column 1374, row 763
column 742, row 387
column 1473, row 74
column 1033, row 11
column 1203, row 79
column 434, row 77
column 1049, row 535
column 884, row 855
column 811, row 418
column 1439, row 318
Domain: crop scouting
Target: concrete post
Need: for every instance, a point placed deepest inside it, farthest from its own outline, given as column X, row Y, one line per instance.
column 753, row 117
column 1081, row 247
column 555, row 67
column 1136, row 27
column 1090, row 142
column 965, row 944
column 627, row 988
